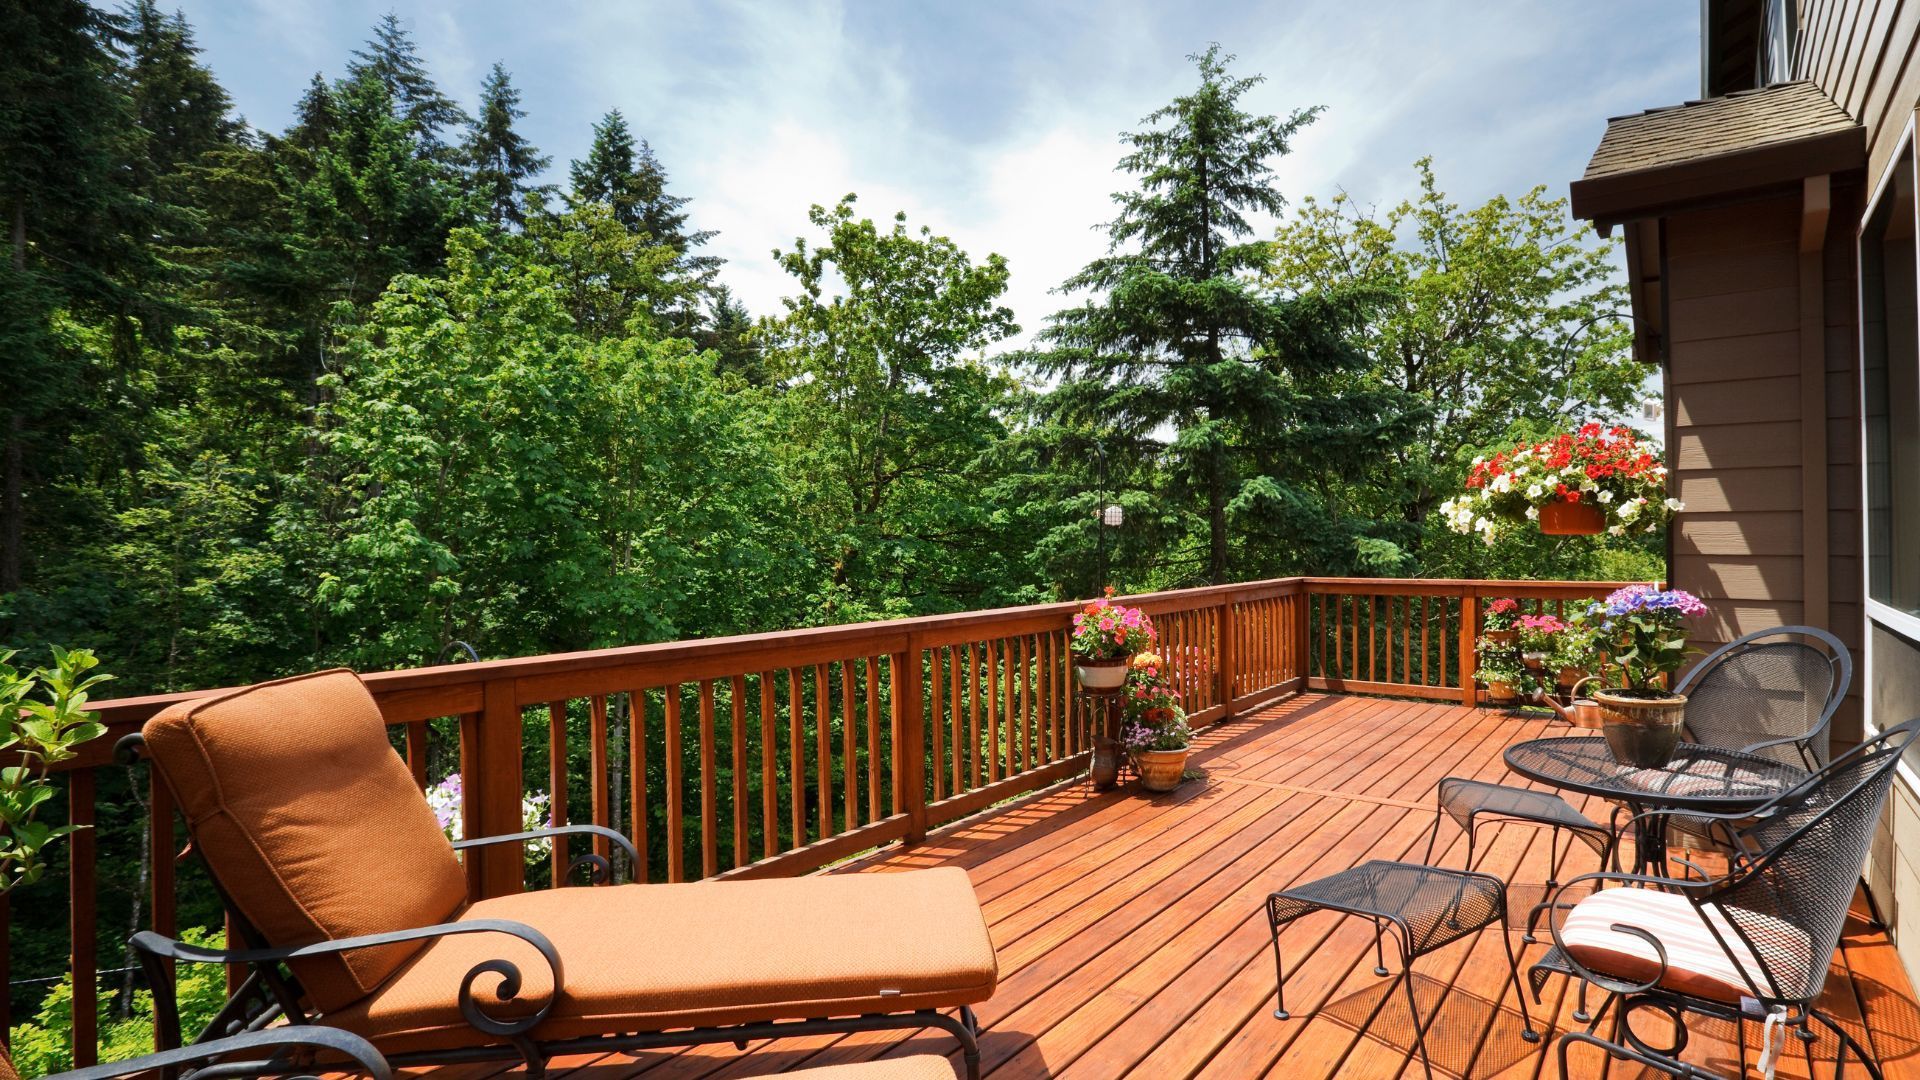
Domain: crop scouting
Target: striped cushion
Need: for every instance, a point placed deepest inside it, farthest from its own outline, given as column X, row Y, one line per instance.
column 1697, row 962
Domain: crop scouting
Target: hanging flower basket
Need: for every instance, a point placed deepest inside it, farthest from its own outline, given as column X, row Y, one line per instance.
column 1105, row 637
column 1560, row 518
column 1596, row 479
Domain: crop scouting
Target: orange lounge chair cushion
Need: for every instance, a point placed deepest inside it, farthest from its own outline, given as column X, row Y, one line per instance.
column 310, row 821
column 1697, row 963
column 701, row 954
column 917, row 1067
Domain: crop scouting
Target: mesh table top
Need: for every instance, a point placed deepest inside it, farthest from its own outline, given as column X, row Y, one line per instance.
column 1697, row 778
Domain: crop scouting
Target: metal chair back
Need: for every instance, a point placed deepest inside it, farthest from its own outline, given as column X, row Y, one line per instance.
column 1789, row 901
column 1772, row 692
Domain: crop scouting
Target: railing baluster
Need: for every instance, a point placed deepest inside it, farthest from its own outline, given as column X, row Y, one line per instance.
column 1012, row 764
column 709, row 787
column 769, row 779
column 83, row 961
column 163, row 851
column 796, row 758
column 823, row 745
column 874, row 756
column 737, row 700
column 935, row 728
column 973, row 710
column 956, row 674
column 676, row 811
column 417, row 752
column 557, row 786
column 849, row 748
column 990, row 691
column 637, row 810
column 599, row 805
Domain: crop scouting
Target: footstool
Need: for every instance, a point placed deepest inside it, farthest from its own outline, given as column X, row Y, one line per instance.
column 1429, row 906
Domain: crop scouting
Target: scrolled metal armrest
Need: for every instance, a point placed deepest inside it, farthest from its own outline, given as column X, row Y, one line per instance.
column 602, row 869
column 152, row 944
column 1679, row 1069
column 1611, row 983
column 295, row 1036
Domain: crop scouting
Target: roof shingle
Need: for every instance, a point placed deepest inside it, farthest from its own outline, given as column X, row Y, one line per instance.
column 1749, row 119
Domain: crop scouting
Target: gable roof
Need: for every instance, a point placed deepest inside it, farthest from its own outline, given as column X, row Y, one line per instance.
column 1745, row 140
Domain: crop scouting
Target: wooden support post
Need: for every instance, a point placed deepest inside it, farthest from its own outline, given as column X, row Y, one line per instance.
column 910, row 738
column 490, row 767
column 1229, row 656
column 1303, row 632
column 1469, row 633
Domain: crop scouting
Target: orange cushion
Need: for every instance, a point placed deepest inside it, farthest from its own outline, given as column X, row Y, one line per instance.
column 1697, row 962
column 655, row 957
column 917, row 1067
column 310, row 821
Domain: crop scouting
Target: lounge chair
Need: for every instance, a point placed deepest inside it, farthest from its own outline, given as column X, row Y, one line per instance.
column 353, row 910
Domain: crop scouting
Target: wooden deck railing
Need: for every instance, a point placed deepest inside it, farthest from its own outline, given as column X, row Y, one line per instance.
column 780, row 753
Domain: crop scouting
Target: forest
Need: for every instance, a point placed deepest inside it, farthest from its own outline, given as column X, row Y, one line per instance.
column 391, row 379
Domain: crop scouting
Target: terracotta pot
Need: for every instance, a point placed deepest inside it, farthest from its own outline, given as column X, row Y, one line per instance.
column 1158, row 716
column 1105, row 768
column 1572, row 519
column 1535, row 661
column 1101, row 676
column 1641, row 731
column 1161, row 770
column 1502, row 638
column 1571, row 676
column 1501, row 692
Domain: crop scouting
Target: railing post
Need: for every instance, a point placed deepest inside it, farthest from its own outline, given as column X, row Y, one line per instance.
column 910, row 741
column 490, row 777
column 1469, row 634
column 1229, row 656
column 1303, row 633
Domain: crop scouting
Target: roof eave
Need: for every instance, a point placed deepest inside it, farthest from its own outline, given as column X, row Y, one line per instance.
column 1609, row 200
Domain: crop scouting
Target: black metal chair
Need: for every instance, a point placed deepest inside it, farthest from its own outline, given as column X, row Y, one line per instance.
column 1772, row 693
column 303, row 1050
column 1753, row 944
column 1614, row 1051
column 1466, row 801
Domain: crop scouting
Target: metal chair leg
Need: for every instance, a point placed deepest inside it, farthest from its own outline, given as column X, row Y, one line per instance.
column 1513, row 969
column 1379, row 955
column 1279, row 977
column 1846, row 1041
column 1413, row 1009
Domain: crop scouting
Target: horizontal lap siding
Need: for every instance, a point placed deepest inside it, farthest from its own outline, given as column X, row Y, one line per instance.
column 1733, row 375
column 1861, row 52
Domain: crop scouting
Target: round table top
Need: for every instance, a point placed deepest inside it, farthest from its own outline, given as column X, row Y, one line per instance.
column 1701, row 778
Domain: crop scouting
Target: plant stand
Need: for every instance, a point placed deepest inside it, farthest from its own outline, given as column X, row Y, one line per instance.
column 1110, row 761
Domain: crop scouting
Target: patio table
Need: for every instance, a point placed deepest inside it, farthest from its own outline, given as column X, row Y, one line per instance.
column 1699, row 778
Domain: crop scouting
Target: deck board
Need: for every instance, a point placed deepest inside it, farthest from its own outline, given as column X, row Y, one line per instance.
column 1133, row 941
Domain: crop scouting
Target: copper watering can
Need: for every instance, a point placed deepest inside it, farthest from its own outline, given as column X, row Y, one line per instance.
column 1580, row 712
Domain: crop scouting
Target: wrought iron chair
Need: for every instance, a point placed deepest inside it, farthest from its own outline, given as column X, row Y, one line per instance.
column 304, row 1051
column 1678, row 1069
column 1772, row 692
column 1753, row 944
column 1466, row 801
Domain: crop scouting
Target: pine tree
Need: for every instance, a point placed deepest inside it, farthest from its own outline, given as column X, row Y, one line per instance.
column 728, row 334
column 312, row 117
column 501, row 160
column 180, row 106
column 390, row 57
column 606, row 174
column 1179, row 334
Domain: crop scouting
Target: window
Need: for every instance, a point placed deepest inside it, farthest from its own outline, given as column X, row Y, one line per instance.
column 1777, row 39
column 1890, row 387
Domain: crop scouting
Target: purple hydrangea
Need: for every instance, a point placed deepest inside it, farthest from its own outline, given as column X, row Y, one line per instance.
column 1637, row 598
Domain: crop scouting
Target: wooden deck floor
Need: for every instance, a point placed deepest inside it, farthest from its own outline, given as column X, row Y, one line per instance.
column 1133, row 943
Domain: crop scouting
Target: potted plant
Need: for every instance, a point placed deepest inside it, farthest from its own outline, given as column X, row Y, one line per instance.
column 1155, row 731
column 1594, row 479
column 1105, row 637
column 1644, row 632
column 1501, row 670
column 1500, row 623
column 1538, row 640
column 1576, row 651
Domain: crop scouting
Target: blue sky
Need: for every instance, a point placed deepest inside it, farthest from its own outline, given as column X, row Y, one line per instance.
column 997, row 123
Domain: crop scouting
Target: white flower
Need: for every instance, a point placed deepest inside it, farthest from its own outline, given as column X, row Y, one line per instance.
column 1534, row 491
column 1481, row 460
column 1676, row 505
column 1606, row 496
column 1618, row 530
column 1533, row 513
column 1631, row 510
column 1502, row 483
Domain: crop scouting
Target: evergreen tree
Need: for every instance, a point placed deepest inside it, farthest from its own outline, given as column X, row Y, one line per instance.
column 390, row 57
column 606, row 174
column 1179, row 335
column 312, row 117
column 729, row 335
column 501, row 160
column 629, row 179
column 180, row 106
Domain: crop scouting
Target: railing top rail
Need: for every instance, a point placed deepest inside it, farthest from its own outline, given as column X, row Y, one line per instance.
column 437, row 687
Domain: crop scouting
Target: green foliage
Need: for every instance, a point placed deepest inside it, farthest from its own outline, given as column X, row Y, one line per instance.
column 500, row 159
column 43, row 720
column 44, row 1045
column 1258, row 391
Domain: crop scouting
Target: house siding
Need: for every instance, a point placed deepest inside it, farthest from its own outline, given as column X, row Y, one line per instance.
column 1861, row 52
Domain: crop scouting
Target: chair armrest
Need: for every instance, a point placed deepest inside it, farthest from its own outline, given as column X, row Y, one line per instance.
column 1679, row 1069
column 1798, row 742
column 601, row 871
column 332, row 1041
column 1610, row 983
column 1728, row 822
column 152, row 947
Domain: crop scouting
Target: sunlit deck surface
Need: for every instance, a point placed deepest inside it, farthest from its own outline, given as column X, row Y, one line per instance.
column 1132, row 938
